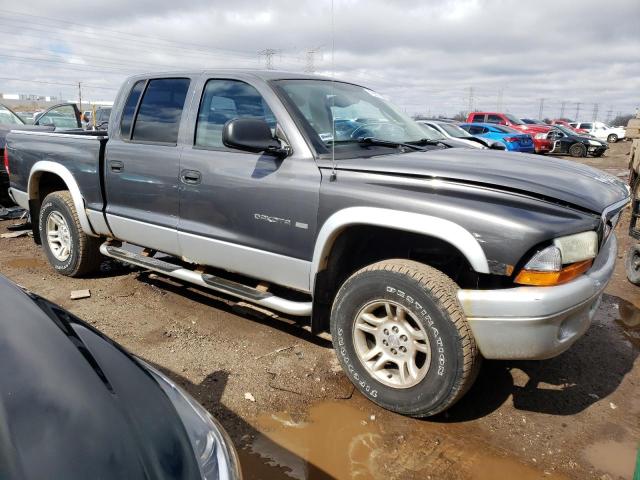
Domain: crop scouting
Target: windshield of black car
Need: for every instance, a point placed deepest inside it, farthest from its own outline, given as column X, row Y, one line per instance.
column 342, row 113
column 514, row 120
column 7, row 117
column 454, row 130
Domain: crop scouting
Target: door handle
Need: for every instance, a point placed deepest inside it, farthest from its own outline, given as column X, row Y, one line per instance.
column 116, row 166
column 190, row 177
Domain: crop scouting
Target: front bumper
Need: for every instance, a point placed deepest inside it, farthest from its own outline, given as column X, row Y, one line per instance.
column 534, row 323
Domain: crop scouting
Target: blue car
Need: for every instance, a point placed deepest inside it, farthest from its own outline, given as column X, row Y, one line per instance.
column 514, row 140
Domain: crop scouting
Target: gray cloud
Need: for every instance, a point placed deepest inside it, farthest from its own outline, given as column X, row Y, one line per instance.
column 423, row 55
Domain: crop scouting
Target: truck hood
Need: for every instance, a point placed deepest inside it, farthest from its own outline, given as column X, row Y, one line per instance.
column 550, row 179
column 532, row 128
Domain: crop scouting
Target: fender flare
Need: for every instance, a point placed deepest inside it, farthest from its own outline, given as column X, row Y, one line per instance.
column 69, row 180
column 443, row 229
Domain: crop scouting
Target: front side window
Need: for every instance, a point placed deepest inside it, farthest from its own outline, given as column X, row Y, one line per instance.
column 60, row 117
column 224, row 100
column 158, row 118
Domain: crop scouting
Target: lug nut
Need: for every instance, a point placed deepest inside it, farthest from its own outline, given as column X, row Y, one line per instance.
column 403, row 349
column 395, row 329
column 385, row 343
column 386, row 331
column 394, row 351
column 403, row 338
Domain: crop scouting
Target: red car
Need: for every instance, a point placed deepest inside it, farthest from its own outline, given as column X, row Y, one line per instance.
column 564, row 123
column 538, row 132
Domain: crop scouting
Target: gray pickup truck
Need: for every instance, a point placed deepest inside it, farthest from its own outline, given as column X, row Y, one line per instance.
column 320, row 199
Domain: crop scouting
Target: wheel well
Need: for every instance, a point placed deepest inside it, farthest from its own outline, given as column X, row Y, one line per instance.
column 41, row 185
column 362, row 245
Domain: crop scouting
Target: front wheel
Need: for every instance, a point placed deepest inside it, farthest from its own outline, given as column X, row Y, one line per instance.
column 69, row 250
column 402, row 338
column 632, row 264
column 612, row 138
column 578, row 150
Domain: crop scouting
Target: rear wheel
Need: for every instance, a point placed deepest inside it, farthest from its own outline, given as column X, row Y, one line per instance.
column 578, row 150
column 632, row 264
column 69, row 250
column 402, row 338
column 612, row 138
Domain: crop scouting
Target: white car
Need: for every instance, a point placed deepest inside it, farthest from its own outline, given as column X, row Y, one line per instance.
column 601, row 130
column 450, row 130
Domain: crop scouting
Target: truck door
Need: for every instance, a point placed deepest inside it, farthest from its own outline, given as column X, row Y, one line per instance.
column 142, row 165
column 250, row 213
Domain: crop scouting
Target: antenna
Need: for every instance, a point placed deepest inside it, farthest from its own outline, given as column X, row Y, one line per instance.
column 333, row 96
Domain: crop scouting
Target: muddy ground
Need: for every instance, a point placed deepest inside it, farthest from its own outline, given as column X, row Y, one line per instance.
column 575, row 416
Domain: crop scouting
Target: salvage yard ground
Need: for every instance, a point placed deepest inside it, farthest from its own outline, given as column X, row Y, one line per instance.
column 293, row 414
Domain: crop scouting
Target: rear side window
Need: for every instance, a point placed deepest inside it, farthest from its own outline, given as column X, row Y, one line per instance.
column 586, row 126
column 158, row 118
column 478, row 118
column 494, row 119
column 130, row 108
column 224, row 100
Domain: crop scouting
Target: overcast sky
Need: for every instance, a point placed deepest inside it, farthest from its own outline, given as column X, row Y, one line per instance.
column 423, row 55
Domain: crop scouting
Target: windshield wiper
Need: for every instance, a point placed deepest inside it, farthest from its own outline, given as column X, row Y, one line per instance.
column 367, row 141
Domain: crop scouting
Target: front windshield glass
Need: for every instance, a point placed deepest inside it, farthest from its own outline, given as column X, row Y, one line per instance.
column 514, row 120
column 357, row 112
column 564, row 129
column 505, row 129
column 454, row 130
column 7, row 117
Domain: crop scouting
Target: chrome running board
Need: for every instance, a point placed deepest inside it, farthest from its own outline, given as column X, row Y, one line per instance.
column 212, row 282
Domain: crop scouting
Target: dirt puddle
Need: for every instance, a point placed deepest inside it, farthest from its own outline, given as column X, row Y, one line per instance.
column 337, row 440
column 629, row 320
column 616, row 458
column 25, row 262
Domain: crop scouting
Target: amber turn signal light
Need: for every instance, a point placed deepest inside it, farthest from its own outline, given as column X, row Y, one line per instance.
column 537, row 278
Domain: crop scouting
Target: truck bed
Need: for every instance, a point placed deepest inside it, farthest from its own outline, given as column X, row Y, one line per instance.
column 79, row 151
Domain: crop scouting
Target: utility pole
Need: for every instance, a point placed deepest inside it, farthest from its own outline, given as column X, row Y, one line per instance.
column 268, row 54
column 80, row 96
column 577, row 111
column 541, row 109
column 562, row 109
column 596, row 106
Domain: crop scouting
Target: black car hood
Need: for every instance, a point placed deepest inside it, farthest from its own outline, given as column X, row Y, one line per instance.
column 75, row 405
column 548, row 178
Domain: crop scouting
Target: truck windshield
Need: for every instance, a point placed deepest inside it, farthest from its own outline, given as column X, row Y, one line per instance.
column 342, row 114
column 7, row 117
column 513, row 119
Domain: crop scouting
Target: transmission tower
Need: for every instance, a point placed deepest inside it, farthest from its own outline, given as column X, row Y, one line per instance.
column 310, row 66
column 541, row 108
column 268, row 54
column 562, row 109
column 577, row 111
column 596, row 106
column 499, row 100
column 471, row 99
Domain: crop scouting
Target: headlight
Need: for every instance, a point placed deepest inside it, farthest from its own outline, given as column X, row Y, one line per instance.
column 566, row 259
column 594, row 143
column 541, row 136
column 211, row 444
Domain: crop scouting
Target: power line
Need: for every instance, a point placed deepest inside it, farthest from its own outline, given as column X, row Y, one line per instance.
column 55, row 83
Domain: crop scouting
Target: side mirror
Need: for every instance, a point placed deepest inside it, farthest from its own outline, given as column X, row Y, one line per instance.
column 251, row 135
